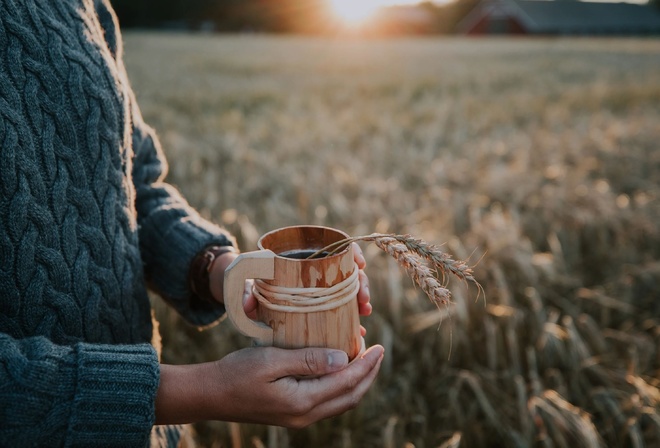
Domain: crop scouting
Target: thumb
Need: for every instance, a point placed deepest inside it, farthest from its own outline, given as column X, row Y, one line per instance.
column 314, row 362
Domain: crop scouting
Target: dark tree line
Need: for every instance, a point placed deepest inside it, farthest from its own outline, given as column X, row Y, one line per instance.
column 278, row 16
column 225, row 15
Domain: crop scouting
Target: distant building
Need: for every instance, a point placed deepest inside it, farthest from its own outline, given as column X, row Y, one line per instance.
column 560, row 17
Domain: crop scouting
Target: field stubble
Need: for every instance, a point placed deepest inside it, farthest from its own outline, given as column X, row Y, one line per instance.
column 537, row 158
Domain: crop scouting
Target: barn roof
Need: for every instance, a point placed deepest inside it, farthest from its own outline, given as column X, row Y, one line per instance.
column 572, row 17
column 576, row 15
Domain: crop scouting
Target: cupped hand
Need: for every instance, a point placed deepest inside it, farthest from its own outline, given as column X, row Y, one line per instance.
column 291, row 388
column 266, row 385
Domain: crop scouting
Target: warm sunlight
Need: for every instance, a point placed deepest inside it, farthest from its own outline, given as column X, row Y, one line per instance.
column 356, row 12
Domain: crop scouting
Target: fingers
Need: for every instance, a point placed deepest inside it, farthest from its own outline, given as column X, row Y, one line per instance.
column 331, row 386
column 350, row 400
column 358, row 256
column 306, row 362
column 363, row 295
column 364, row 306
column 249, row 301
column 341, row 391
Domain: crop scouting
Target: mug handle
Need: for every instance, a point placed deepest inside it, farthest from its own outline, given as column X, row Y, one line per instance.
column 249, row 265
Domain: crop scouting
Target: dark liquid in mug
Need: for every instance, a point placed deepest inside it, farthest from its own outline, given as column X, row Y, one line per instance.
column 302, row 254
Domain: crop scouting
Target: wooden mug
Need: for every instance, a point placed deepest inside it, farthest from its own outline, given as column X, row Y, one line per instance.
column 302, row 302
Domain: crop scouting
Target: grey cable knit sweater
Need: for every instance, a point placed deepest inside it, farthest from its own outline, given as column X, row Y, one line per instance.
column 85, row 219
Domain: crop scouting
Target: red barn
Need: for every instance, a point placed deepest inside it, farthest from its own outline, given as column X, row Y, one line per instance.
column 560, row 17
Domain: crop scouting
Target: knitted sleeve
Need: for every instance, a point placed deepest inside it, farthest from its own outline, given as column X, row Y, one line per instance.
column 171, row 232
column 81, row 395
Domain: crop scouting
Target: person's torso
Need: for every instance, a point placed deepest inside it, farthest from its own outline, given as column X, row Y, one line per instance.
column 70, row 266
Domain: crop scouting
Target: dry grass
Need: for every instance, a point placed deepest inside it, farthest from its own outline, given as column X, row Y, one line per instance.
column 538, row 157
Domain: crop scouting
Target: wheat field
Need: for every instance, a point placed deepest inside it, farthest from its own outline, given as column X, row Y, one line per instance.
column 535, row 160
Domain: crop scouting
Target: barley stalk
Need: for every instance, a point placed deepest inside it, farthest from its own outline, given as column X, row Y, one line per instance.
column 418, row 271
column 415, row 255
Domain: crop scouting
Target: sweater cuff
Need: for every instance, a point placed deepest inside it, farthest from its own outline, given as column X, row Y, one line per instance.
column 114, row 401
column 186, row 238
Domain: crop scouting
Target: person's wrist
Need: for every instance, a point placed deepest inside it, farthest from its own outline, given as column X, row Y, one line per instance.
column 201, row 266
column 180, row 395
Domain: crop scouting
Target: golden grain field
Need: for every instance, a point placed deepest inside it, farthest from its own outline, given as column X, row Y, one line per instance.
column 536, row 159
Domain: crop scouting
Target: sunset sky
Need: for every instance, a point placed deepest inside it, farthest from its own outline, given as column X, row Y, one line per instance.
column 355, row 12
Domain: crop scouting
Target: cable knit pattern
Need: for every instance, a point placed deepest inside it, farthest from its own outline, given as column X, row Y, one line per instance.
column 84, row 214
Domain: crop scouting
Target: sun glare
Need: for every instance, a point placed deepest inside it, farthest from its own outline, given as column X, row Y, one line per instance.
column 355, row 12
